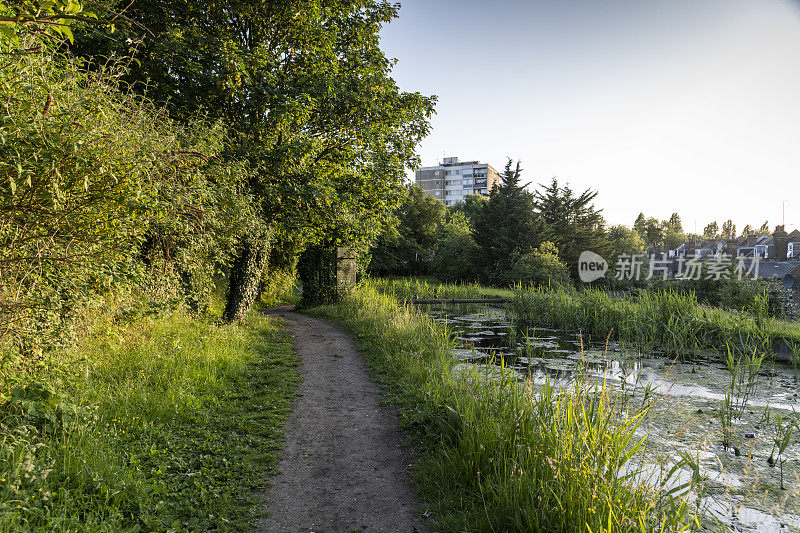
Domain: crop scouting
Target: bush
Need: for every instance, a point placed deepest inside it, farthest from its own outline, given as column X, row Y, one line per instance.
column 96, row 187
column 541, row 268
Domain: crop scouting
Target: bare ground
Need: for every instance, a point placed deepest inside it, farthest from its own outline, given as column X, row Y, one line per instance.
column 343, row 468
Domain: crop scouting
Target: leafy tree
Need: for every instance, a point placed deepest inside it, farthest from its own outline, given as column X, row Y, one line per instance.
column 711, row 231
column 674, row 223
column 729, row 229
column 657, row 233
column 36, row 22
column 572, row 221
column 624, row 241
column 673, row 240
column 470, row 207
column 748, row 229
column 674, row 235
column 455, row 224
column 455, row 258
column 507, row 223
column 640, row 225
column 307, row 95
column 764, row 229
column 654, row 232
column 456, row 251
column 408, row 247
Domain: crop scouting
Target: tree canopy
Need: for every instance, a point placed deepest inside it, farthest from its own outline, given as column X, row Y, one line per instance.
column 507, row 223
column 306, row 94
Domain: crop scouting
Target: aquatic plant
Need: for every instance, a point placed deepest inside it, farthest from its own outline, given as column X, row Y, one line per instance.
column 794, row 346
column 743, row 370
column 668, row 320
column 783, row 434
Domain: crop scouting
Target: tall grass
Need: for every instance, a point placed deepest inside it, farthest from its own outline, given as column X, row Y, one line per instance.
column 165, row 423
column 669, row 321
column 497, row 455
column 410, row 288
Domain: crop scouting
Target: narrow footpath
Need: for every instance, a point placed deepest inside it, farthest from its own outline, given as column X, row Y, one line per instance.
column 343, row 468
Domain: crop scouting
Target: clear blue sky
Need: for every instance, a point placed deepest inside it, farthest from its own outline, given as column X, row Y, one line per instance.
column 661, row 105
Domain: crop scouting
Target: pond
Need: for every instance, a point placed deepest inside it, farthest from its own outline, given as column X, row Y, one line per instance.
column 742, row 487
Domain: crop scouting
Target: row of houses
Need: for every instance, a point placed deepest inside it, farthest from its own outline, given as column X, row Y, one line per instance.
column 780, row 246
column 774, row 256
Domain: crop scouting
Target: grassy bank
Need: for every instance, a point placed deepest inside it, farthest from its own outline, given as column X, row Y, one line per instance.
column 163, row 423
column 669, row 321
column 409, row 288
column 496, row 455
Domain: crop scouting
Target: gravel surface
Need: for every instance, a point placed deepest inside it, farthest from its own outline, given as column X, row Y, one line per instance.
column 343, row 468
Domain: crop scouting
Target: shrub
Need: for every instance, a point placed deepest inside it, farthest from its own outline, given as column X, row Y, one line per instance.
column 541, row 267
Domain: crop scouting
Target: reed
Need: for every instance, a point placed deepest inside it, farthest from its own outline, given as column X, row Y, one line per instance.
column 666, row 320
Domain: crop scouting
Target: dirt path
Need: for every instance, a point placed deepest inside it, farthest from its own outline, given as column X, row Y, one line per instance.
column 342, row 469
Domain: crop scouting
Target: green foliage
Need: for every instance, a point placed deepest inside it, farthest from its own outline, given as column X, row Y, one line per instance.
column 728, row 230
column 573, row 223
column 668, row 320
column 43, row 19
column 541, row 267
column 711, row 231
column 732, row 293
column 164, row 423
column 667, row 233
column 408, row 247
column 470, row 207
column 456, row 258
column 506, row 224
column 404, row 289
column 624, row 241
column 307, row 94
column 95, row 185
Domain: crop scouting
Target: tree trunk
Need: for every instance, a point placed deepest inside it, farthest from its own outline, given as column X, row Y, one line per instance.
column 245, row 285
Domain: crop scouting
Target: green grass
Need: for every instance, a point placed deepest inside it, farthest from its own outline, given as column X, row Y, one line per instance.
column 673, row 322
column 166, row 423
column 409, row 288
column 496, row 455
